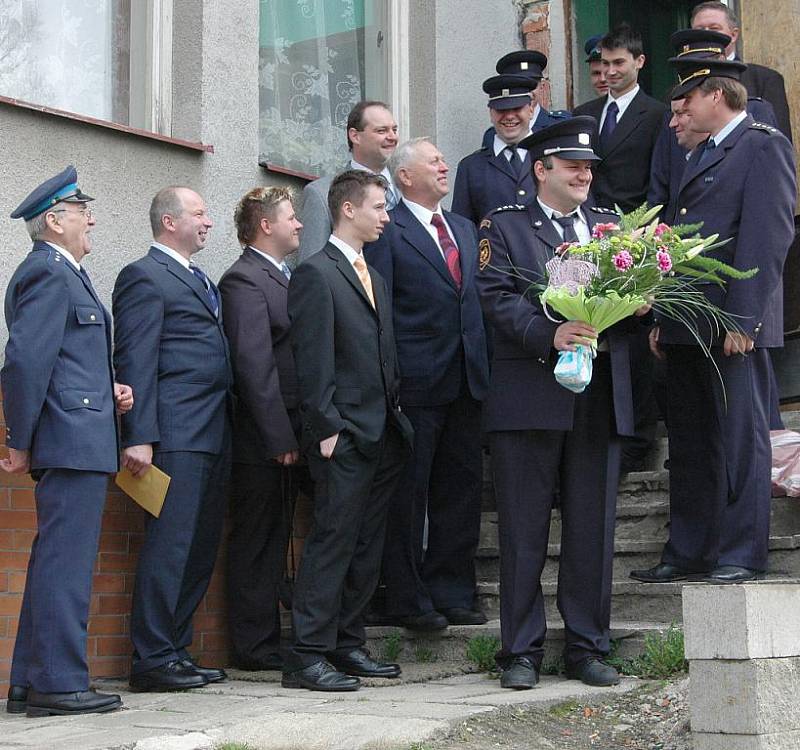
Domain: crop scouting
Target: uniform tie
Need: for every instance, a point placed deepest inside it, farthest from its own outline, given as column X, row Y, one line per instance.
column 212, row 295
column 567, row 223
column 515, row 160
column 609, row 124
column 451, row 255
column 708, row 151
column 363, row 274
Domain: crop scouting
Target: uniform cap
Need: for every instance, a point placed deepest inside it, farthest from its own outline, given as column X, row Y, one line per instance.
column 568, row 139
column 61, row 188
column 509, row 91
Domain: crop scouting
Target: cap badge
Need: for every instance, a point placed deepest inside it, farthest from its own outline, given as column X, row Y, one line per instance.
column 584, row 139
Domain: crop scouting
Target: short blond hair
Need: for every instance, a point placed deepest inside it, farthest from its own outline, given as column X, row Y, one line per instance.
column 255, row 205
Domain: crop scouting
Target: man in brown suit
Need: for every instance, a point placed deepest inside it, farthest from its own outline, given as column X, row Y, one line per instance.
column 265, row 477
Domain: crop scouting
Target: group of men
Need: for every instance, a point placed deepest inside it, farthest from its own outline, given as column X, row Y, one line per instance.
column 363, row 376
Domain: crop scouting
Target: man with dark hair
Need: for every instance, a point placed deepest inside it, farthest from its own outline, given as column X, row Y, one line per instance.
column 740, row 183
column 266, row 476
column 371, row 138
column 354, row 435
column 169, row 342
column 759, row 80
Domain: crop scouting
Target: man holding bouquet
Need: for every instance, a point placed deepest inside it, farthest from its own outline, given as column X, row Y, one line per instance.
column 545, row 438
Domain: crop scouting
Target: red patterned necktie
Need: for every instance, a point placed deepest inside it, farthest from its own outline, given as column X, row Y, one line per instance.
column 451, row 254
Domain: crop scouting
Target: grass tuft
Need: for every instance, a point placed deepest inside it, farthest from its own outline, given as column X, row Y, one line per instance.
column 481, row 650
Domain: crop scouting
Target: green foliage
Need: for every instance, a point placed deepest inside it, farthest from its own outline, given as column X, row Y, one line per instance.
column 424, row 654
column 562, row 710
column 663, row 656
column 554, row 667
column 392, row 645
column 481, row 650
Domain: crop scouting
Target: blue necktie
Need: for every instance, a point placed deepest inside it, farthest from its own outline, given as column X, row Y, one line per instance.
column 286, row 270
column 708, row 150
column 391, row 199
column 609, row 124
column 212, row 295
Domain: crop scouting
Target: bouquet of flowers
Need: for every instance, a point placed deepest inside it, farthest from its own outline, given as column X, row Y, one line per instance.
column 626, row 266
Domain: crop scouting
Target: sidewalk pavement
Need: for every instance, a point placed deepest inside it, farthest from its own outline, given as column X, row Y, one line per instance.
column 253, row 709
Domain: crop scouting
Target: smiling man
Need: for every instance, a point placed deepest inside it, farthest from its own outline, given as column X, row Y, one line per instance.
column 169, row 340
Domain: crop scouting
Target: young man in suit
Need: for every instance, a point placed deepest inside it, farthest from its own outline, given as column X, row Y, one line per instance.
column 544, row 438
column 266, row 477
column 59, row 399
column 170, row 343
column 429, row 259
column 353, row 433
column 371, row 138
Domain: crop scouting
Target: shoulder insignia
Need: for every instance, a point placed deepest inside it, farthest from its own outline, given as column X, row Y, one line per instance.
column 485, row 224
column 599, row 210
column 755, row 99
column 513, row 207
column 763, row 127
column 484, row 253
column 561, row 114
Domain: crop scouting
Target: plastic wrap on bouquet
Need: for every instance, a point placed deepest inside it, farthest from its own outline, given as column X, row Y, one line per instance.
column 574, row 369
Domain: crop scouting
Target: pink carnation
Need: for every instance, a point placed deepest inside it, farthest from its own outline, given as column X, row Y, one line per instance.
column 661, row 228
column 564, row 247
column 664, row 261
column 599, row 230
column 623, row 260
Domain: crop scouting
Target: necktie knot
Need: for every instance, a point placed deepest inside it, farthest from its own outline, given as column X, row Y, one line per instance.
column 287, row 272
column 708, row 150
column 567, row 223
column 610, row 123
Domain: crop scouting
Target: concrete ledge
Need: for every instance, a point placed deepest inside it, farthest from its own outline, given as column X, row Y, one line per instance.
column 776, row 741
column 751, row 621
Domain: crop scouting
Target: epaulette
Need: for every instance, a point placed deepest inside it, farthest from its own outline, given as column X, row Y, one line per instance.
column 561, row 114
column 755, row 98
column 764, row 127
column 513, row 207
column 604, row 210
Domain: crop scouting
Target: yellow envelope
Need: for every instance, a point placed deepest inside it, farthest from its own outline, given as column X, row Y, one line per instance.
column 148, row 490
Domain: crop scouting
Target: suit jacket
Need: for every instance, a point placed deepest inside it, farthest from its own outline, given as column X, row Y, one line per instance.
column 745, row 191
column 543, row 119
column 57, row 378
column 316, row 217
column 439, row 328
column 254, row 294
column 623, row 175
column 523, row 392
column 172, row 349
column 768, row 85
column 344, row 350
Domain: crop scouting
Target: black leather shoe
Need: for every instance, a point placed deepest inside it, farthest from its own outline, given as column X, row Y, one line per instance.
column 359, row 663
column 665, row 573
column 71, row 704
column 733, row 574
column 427, row 622
column 320, row 676
column 463, row 616
column 273, row 663
column 212, row 674
column 521, row 674
column 170, row 676
column 593, row 671
column 17, row 699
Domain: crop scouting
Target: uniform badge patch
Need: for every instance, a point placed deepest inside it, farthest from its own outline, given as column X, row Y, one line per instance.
column 485, row 224
column 484, row 254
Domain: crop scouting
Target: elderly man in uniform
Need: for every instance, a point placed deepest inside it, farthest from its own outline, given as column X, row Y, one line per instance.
column 543, row 437
column 741, row 184
column 60, row 399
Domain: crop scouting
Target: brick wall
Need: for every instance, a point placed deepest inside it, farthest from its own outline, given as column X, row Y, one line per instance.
column 536, row 36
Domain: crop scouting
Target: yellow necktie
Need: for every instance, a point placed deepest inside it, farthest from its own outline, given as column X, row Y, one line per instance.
column 363, row 274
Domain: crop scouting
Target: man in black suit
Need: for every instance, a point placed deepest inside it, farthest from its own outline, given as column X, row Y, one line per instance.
column 265, row 477
column 429, row 258
column 759, row 80
column 353, row 433
column 169, row 341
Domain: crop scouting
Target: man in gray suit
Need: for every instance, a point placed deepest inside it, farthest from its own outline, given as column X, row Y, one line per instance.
column 372, row 139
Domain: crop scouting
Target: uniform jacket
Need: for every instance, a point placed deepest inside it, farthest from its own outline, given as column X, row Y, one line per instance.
column 254, row 296
column 744, row 191
column 344, row 350
column 543, row 120
column 623, row 176
column 523, row 392
column 57, row 378
column 439, row 328
column 767, row 84
column 172, row 349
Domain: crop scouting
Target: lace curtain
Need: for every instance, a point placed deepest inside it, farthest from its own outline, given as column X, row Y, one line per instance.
column 317, row 59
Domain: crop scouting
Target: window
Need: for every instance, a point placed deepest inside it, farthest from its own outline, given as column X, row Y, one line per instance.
column 106, row 59
column 317, row 59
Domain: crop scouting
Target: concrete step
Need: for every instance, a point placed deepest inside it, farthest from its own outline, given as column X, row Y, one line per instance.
column 451, row 644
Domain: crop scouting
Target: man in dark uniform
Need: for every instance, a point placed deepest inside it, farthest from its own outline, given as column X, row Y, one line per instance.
column 501, row 173
column 597, row 73
column 529, row 64
column 543, row 437
column 741, row 184
column 59, row 398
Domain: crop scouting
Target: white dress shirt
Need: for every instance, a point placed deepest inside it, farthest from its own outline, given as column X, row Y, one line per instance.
column 383, row 173
column 66, row 253
column 622, row 104
column 350, row 253
column 424, row 215
column 277, row 263
column 580, row 223
column 174, row 254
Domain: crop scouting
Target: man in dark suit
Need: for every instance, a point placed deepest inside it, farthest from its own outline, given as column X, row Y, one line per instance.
column 59, row 400
column 429, row 258
column 543, row 437
column 170, row 344
column 759, row 80
column 740, row 184
column 499, row 174
column 353, row 433
column 265, row 477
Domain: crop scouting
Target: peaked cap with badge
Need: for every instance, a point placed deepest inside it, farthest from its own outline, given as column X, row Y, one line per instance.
column 509, row 91
column 692, row 71
column 523, row 62
column 592, row 48
column 568, row 139
column 63, row 188
column 702, row 43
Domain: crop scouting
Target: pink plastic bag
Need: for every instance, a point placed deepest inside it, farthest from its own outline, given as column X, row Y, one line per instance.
column 785, row 463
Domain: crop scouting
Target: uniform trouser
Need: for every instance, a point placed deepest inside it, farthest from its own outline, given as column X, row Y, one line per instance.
column 340, row 565
column 528, row 467
column 719, row 459
column 50, row 650
column 442, row 480
column 262, row 497
column 178, row 555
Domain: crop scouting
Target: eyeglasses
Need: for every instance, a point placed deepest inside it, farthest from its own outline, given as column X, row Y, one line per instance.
column 87, row 212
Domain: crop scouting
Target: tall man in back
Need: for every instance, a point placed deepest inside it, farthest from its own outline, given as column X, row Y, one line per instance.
column 169, row 341
column 354, row 435
column 429, row 258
